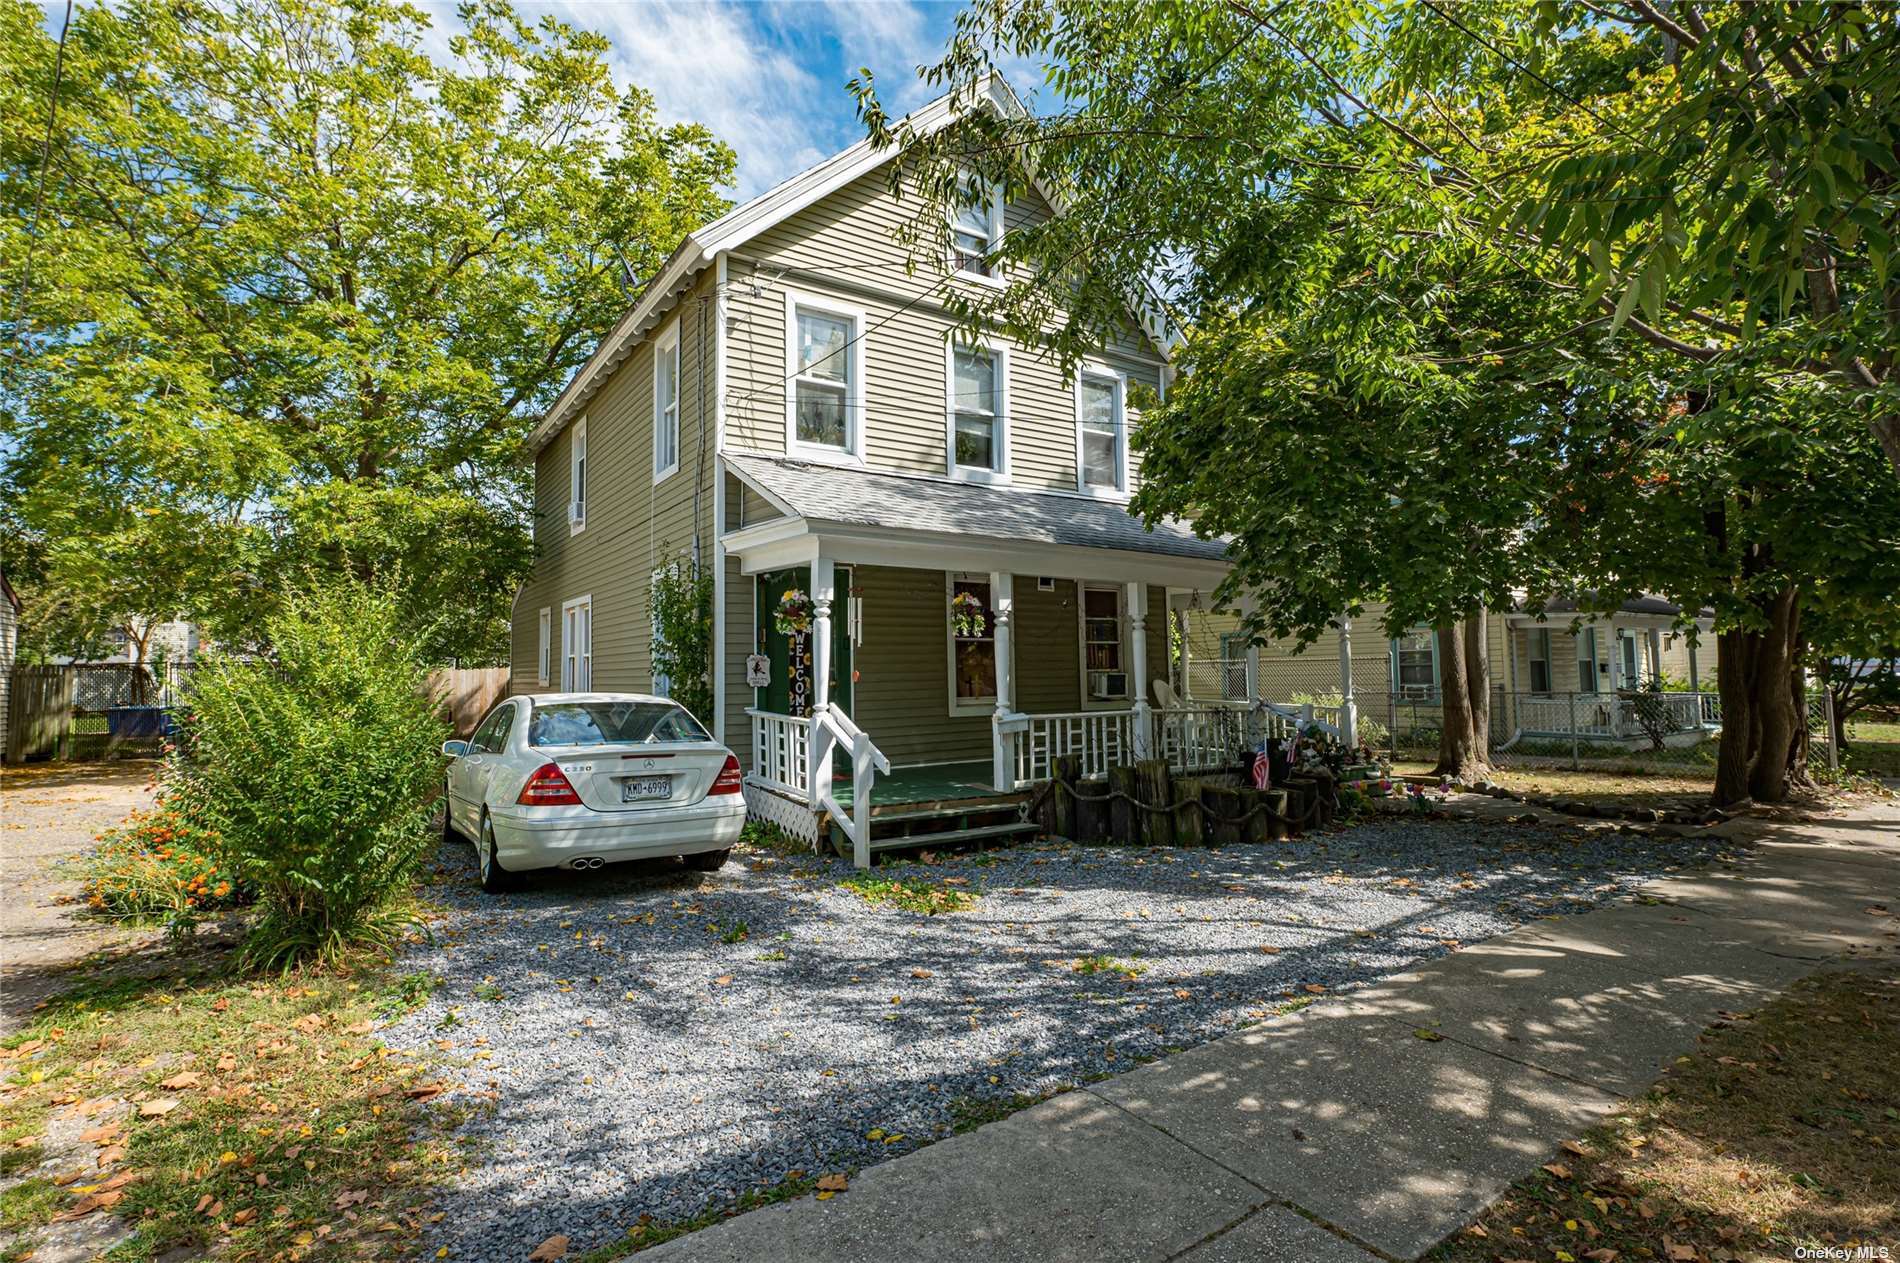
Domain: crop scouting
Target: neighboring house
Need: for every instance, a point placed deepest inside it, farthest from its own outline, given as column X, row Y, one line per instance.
column 1538, row 663
column 175, row 640
column 786, row 403
column 9, row 650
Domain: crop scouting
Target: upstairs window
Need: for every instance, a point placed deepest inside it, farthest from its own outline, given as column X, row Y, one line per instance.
column 666, row 404
column 577, row 478
column 976, row 227
column 978, row 407
column 825, row 399
column 577, row 645
column 544, row 650
column 1101, row 439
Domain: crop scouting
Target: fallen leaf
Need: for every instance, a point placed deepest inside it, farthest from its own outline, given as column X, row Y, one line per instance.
column 1267, row 949
column 921, row 973
column 158, row 1108
column 426, row 1091
column 1315, row 988
column 1558, row 1170
column 1678, row 1252
column 1430, row 1036
column 101, row 1135
column 244, row 1216
column 555, row 1247
column 1603, row 1254
column 360, row 1028
column 181, row 1081
column 723, row 980
column 350, row 1197
column 1571, row 1146
column 833, row 1183
column 89, row 1203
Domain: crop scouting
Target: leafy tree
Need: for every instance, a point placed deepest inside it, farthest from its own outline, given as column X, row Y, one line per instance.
column 1546, row 297
column 292, row 271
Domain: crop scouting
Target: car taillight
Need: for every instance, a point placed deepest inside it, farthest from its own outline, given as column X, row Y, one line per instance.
column 548, row 787
column 728, row 780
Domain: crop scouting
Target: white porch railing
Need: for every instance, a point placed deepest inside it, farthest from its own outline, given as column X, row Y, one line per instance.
column 781, row 752
column 1198, row 738
column 1615, row 716
column 1099, row 739
column 1289, row 719
column 832, row 727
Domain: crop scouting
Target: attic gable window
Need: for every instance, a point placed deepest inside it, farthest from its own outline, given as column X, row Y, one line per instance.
column 976, row 227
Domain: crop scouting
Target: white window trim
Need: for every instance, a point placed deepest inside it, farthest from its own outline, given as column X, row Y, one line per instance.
column 960, row 707
column 544, row 655
column 577, row 452
column 995, row 278
column 667, row 343
column 1593, row 685
column 857, row 380
column 976, row 473
column 1082, row 588
column 1099, row 370
column 581, row 678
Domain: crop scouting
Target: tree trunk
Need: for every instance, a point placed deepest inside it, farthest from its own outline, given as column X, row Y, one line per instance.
column 1801, row 744
column 1478, row 681
column 1462, row 750
column 1758, row 715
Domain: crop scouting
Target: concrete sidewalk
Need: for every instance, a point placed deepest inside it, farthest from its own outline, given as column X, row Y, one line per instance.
column 1340, row 1134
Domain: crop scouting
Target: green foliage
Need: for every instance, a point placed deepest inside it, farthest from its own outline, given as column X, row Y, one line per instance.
column 912, row 894
column 159, row 867
column 314, row 772
column 300, row 288
column 682, row 634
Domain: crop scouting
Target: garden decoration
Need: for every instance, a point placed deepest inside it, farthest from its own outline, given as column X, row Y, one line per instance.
column 966, row 615
column 793, row 614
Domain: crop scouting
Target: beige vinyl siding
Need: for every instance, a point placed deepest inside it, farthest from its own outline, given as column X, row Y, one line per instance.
column 843, row 249
column 740, row 637
column 753, row 507
column 633, row 526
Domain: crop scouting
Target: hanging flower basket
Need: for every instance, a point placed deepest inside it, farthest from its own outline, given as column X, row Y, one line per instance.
column 966, row 615
column 793, row 613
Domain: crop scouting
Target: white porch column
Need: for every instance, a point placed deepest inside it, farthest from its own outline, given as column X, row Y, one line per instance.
column 823, row 589
column 1655, row 653
column 1348, row 706
column 1003, row 744
column 1137, row 600
column 1695, row 676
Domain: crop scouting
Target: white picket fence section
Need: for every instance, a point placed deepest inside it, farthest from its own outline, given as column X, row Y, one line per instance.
column 781, row 752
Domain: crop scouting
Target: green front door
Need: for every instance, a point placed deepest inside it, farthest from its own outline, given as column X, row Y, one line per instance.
column 789, row 691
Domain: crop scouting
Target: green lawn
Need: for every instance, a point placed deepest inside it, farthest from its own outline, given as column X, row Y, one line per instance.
column 1873, row 748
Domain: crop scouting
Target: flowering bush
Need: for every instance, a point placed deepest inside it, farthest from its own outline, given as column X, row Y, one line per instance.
column 966, row 615
column 157, row 867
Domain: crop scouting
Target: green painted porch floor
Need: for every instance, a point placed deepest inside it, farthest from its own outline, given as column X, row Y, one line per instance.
column 938, row 782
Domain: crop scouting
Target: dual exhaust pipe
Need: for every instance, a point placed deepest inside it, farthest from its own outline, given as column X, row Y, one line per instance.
column 586, row 862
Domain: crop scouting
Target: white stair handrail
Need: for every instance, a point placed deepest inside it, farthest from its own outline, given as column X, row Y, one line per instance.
column 830, row 725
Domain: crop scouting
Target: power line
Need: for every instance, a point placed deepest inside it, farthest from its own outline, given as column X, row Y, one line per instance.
column 39, row 194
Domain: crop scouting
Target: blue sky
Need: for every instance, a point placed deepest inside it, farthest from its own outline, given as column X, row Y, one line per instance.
column 768, row 77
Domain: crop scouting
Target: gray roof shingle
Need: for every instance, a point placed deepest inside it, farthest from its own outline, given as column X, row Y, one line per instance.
column 862, row 497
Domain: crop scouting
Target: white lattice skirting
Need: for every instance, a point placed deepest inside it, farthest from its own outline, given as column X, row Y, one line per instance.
column 795, row 818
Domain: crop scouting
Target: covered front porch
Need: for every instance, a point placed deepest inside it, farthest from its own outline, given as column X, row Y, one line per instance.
column 920, row 645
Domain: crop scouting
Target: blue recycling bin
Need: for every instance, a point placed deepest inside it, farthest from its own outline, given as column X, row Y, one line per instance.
column 135, row 721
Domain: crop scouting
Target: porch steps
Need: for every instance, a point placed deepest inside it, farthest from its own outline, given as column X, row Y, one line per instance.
column 897, row 827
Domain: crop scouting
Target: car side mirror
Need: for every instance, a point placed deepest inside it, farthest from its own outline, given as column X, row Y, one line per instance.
column 455, row 749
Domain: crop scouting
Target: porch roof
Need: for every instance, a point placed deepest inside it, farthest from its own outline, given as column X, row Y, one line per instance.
column 854, row 496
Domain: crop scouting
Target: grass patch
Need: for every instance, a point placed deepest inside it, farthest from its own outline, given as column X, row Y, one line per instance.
column 1873, row 749
column 762, row 835
column 30, row 1204
column 1779, row 1132
column 967, row 1113
column 1600, row 787
column 1101, row 964
column 269, row 1116
column 912, row 894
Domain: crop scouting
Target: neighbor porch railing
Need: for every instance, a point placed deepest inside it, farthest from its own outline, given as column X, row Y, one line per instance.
column 1200, row 738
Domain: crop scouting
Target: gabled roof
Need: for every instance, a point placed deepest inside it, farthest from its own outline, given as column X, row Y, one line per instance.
column 744, row 222
column 855, row 496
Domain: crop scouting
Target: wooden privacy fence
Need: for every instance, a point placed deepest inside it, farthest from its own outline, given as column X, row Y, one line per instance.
column 464, row 694
column 102, row 710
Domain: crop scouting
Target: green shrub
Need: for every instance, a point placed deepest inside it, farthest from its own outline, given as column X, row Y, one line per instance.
column 158, row 867
column 314, row 773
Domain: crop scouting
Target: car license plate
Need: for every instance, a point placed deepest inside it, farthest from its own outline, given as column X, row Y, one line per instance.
column 639, row 787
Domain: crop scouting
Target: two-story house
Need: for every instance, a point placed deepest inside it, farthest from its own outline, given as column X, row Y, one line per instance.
column 923, row 561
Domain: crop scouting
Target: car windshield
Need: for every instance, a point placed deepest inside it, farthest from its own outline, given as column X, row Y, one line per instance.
column 611, row 723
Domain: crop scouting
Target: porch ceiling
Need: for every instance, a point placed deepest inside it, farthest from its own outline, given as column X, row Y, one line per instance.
column 853, row 514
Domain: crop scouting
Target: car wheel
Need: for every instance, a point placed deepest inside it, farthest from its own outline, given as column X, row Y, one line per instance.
column 495, row 878
column 708, row 861
column 449, row 832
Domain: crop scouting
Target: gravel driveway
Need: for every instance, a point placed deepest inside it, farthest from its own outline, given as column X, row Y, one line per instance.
column 647, row 1059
